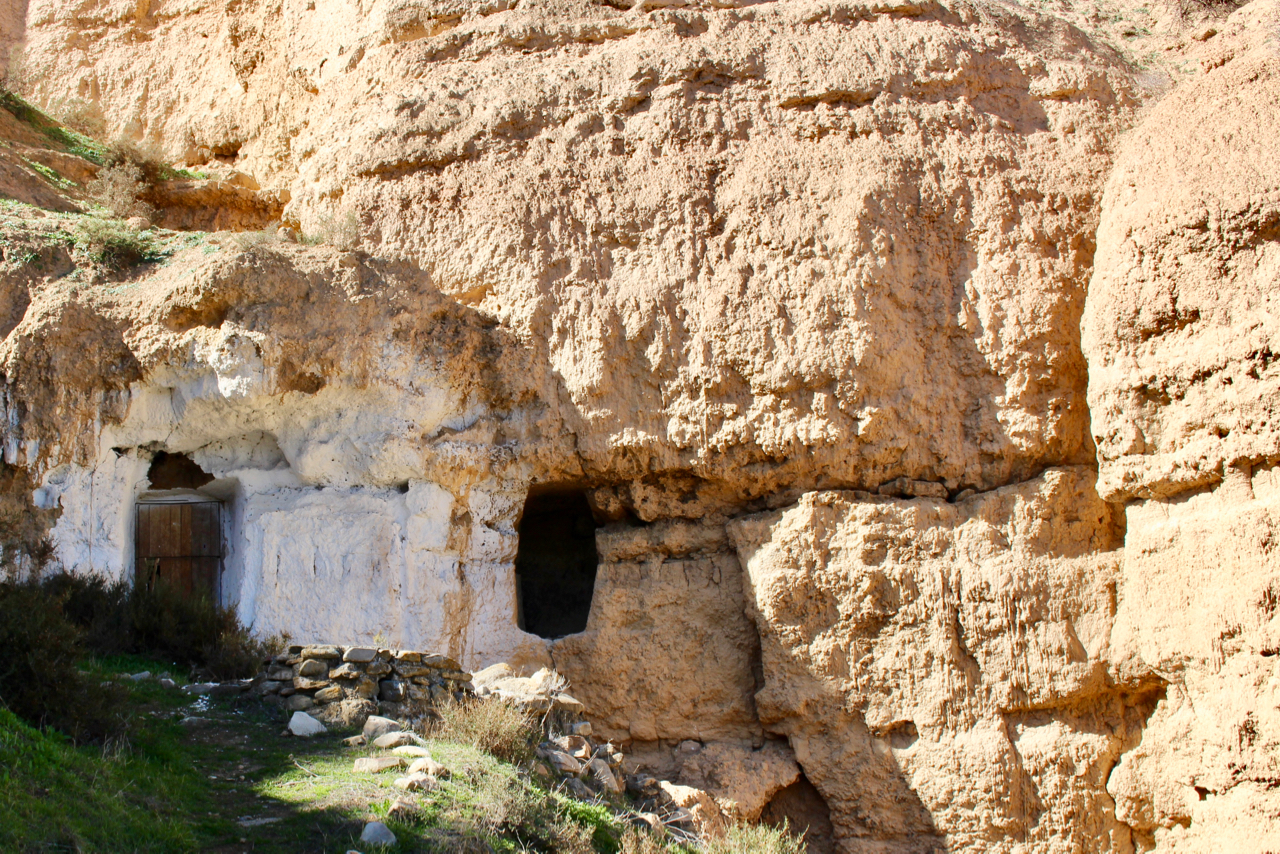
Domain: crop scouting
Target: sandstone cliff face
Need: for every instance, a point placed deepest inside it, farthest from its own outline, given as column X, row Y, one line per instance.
column 1179, row 331
column 825, row 244
column 795, row 293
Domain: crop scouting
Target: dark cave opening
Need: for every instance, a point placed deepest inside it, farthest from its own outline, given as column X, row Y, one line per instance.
column 805, row 811
column 556, row 563
column 176, row 471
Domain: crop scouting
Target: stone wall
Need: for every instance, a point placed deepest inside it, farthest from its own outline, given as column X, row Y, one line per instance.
column 345, row 685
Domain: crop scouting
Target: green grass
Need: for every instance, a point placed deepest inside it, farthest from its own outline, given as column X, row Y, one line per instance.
column 122, row 798
column 50, row 175
column 169, row 173
column 62, row 137
column 170, row 787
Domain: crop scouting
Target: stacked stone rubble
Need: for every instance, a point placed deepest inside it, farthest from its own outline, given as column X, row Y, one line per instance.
column 347, row 684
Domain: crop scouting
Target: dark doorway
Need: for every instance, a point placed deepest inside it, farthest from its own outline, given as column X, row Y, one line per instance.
column 179, row 544
column 176, row 471
column 556, row 563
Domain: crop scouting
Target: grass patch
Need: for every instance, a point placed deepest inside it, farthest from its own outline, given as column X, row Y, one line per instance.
column 50, row 175
column 133, row 795
column 62, row 137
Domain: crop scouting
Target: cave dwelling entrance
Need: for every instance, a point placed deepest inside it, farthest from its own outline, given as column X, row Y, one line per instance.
column 178, row 529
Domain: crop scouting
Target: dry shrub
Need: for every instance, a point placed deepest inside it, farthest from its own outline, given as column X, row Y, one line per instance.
column 119, row 188
column 756, row 839
column 342, row 231
column 498, row 727
column 637, row 841
column 159, row 620
column 80, row 115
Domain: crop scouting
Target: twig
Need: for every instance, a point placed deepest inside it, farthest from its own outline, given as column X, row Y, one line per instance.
column 304, row 768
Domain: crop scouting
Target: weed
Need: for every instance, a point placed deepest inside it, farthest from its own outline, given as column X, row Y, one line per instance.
column 246, row 240
column 50, row 175
column 62, row 137
column 755, row 839
column 500, row 728
column 80, row 116
column 636, row 841
column 171, row 173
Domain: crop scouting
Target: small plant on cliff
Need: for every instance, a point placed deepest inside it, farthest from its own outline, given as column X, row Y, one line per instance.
column 111, row 244
column 119, row 188
column 755, row 839
column 342, row 231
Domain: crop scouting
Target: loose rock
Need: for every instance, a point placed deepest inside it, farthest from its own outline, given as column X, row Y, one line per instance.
column 377, row 726
column 427, row 765
column 417, row 783
column 377, row 764
column 394, row 739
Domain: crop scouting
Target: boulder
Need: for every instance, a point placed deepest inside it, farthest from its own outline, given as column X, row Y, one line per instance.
column 360, row 654
column 346, row 670
column 427, row 765
column 604, row 775
column 321, row 651
column 705, row 812
column 299, row 702
column 313, row 668
column 417, row 782
column 563, row 762
column 328, row 695
column 349, row 712
column 410, row 751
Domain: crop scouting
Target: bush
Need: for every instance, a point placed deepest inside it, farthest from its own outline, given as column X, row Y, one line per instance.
column 499, row 728
column 39, row 680
column 157, row 619
column 341, row 231
column 636, row 841
column 111, row 244
column 97, row 607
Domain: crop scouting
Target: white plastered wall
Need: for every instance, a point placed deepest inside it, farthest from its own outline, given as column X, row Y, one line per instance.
column 331, row 532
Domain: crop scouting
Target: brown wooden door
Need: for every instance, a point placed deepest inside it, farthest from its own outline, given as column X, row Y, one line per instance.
column 180, row 544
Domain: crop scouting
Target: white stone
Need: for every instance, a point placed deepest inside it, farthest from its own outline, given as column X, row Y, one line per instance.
column 304, row 725
column 377, row 833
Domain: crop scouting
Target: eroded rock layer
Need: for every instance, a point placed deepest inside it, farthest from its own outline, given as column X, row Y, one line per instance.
column 915, row 375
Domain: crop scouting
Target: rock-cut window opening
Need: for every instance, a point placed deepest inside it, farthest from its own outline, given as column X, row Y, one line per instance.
column 556, row 563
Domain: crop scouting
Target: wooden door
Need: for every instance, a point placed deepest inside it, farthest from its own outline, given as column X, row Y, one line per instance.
column 180, row 544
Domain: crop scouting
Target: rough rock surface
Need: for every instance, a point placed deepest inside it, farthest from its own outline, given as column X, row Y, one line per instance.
column 920, row 379
column 1181, row 328
column 911, row 644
